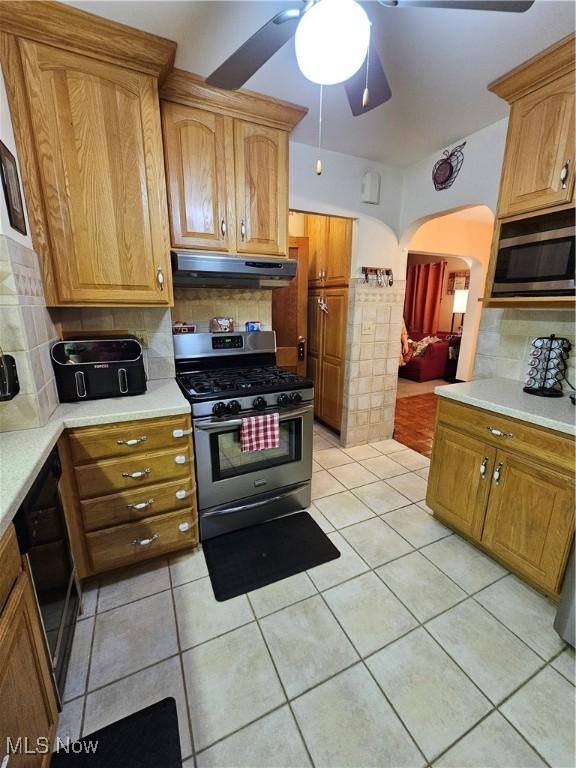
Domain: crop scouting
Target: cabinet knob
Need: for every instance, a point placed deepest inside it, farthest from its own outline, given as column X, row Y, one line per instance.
column 564, row 174
column 498, row 473
column 145, row 542
column 137, row 475
column 498, row 432
column 483, row 467
column 242, row 230
column 160, row 278
column 132, row 441
column 223, row 228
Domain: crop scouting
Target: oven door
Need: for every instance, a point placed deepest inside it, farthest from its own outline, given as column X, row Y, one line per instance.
column 225, row 474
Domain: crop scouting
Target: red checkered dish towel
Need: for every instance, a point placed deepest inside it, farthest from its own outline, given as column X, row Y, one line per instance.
column 260, row 432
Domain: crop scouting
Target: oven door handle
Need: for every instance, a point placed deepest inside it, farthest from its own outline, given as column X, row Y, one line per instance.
column 213, row 426
column 252, row 505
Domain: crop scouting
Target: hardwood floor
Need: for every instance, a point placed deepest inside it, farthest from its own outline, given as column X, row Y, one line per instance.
column 414, row 422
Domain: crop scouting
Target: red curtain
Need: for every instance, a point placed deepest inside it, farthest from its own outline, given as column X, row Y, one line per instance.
column 423, row 294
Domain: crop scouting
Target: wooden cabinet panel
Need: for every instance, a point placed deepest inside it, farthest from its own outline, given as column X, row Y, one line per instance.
column 530, row 519
column 338, row 251
column 11, row 563
column 199, row 156
column 27, row 697
column 459, row 481
column 316, row 230
column 261, row 189
column 97, row 135
column 540, row 142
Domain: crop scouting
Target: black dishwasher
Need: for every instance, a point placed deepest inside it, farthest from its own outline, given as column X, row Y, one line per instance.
column 43, row 540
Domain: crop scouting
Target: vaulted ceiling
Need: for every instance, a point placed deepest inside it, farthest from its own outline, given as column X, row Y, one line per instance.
column 438, row 62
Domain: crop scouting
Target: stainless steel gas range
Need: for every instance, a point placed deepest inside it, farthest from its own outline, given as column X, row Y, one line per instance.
column 226, row 377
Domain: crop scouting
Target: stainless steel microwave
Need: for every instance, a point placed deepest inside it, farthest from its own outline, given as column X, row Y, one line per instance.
column 536, row 257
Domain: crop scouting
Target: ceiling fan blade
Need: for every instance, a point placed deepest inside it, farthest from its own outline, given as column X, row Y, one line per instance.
column 511, row 6
column 247, row 60
column 378, row 87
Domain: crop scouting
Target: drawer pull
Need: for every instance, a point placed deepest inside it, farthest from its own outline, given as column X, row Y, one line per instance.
column 498, row 432
column 483, row 467
column 140, row 505
column 145, row 542
column 181, row 432
column 132, row 441
column 498, row 473
column 182, row 494
column 180, row 459
column 183, row 527
column 137, row 475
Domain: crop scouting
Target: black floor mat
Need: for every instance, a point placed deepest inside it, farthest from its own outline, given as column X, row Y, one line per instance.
column 250, row 558
column 147, row 739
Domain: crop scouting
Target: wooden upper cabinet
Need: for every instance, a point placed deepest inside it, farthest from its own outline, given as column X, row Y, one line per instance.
column 338, row 251
column 97, row 138
column 199, row 156
column 261, row 160
column 540, row 150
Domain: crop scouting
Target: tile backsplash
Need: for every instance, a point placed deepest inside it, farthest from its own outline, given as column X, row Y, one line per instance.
column 199, row 305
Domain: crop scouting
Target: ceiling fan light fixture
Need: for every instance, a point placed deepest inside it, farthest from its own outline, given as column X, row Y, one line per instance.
column 332, row 40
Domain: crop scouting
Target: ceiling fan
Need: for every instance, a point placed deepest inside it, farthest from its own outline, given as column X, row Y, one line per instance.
column 333, row 42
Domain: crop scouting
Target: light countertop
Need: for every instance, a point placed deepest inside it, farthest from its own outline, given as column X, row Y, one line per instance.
column 505, row 396
column 23, row 452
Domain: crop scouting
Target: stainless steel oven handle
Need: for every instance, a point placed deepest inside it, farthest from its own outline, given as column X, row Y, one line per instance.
column 253, row 505
column 213, row 426
column 537, row 237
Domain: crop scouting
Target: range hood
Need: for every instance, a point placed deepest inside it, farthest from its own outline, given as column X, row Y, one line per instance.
column 212, row 270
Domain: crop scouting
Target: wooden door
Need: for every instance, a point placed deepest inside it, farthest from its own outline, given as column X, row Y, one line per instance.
column 332, row 361
column 338, row 251
column 315, row 331
column 290, row 312
column 316, row 230
column 99, row 145
column 27, row 699
column 261, row 189
column 199, row 157
column 459, row 481
column 530, row 519
column 539, row 146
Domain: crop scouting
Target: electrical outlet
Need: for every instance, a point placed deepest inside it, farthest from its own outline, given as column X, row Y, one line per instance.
column 367, row 329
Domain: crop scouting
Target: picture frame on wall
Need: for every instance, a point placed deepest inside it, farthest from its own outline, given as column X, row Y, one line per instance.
column 458, row 281
column 11, row 187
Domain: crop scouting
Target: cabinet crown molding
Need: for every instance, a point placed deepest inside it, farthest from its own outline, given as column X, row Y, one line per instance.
column 548, row 65
column 65, row 27
column 187, row 88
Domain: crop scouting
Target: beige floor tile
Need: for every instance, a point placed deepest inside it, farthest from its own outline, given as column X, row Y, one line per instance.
column 492, row 743
column 490, row 654
column 424, row 506
column 543, row 712
column 353, row 475
column 412, row 460
column 369, row 613
column 348, row 565
column 325, row 484
column 331, row 457
column 274, row 740
column 133, row 583
column 384, row 467
column 416, row 525
column 434, row 698
column 70, row 720
column 422, row 588
column 319, row 518
column 188, row 566
column 528, row 614
column 281, row 594
column 136, row 692
column 343, row 509
column 410, row 485
column 321, row 443
column 347, row 722
column 79, row 659
column 89, row 597
column 315, row 466
column 467, row 566
column 307, row 645
column 201, row 617
column 359, row 452
column 423, row 473
column 231, row 681
column 565, row 664
column 388, row 446
column 134, row 636
column 376, row 542
column 381, row 497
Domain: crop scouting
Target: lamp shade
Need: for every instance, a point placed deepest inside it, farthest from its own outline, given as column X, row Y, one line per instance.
column 460, row 301
column 332, row 41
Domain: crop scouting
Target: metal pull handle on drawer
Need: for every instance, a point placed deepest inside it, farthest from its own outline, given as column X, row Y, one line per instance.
column 498, row 432
column 497, row 473
column 181, row 432
column 145, row 542
column 140, row 505
column 132, row 441
column 483, row 467
column 137, row 475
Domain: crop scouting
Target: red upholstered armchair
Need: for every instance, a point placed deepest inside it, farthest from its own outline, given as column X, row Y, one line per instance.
column 430, row 365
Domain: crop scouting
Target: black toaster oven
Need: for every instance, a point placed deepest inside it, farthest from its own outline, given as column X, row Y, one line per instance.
column 105, row 366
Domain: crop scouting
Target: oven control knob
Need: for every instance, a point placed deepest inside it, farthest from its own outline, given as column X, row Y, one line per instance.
column 234, row 407
column 283, row 399
column 219, row 409
column 295, row 397
column 259, row 403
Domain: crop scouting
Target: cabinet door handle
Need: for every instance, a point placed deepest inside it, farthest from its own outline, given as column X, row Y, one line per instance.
column 137, row 475
column 181, row 432
column 483, row 467
column 498, row 432
column 80, row 383
column 145, row 542
column 498, row 473
column 132, row 441
column 141, row 505
column 242, row 230
column 160, row 278
column 564, row 174
column 223, row 228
